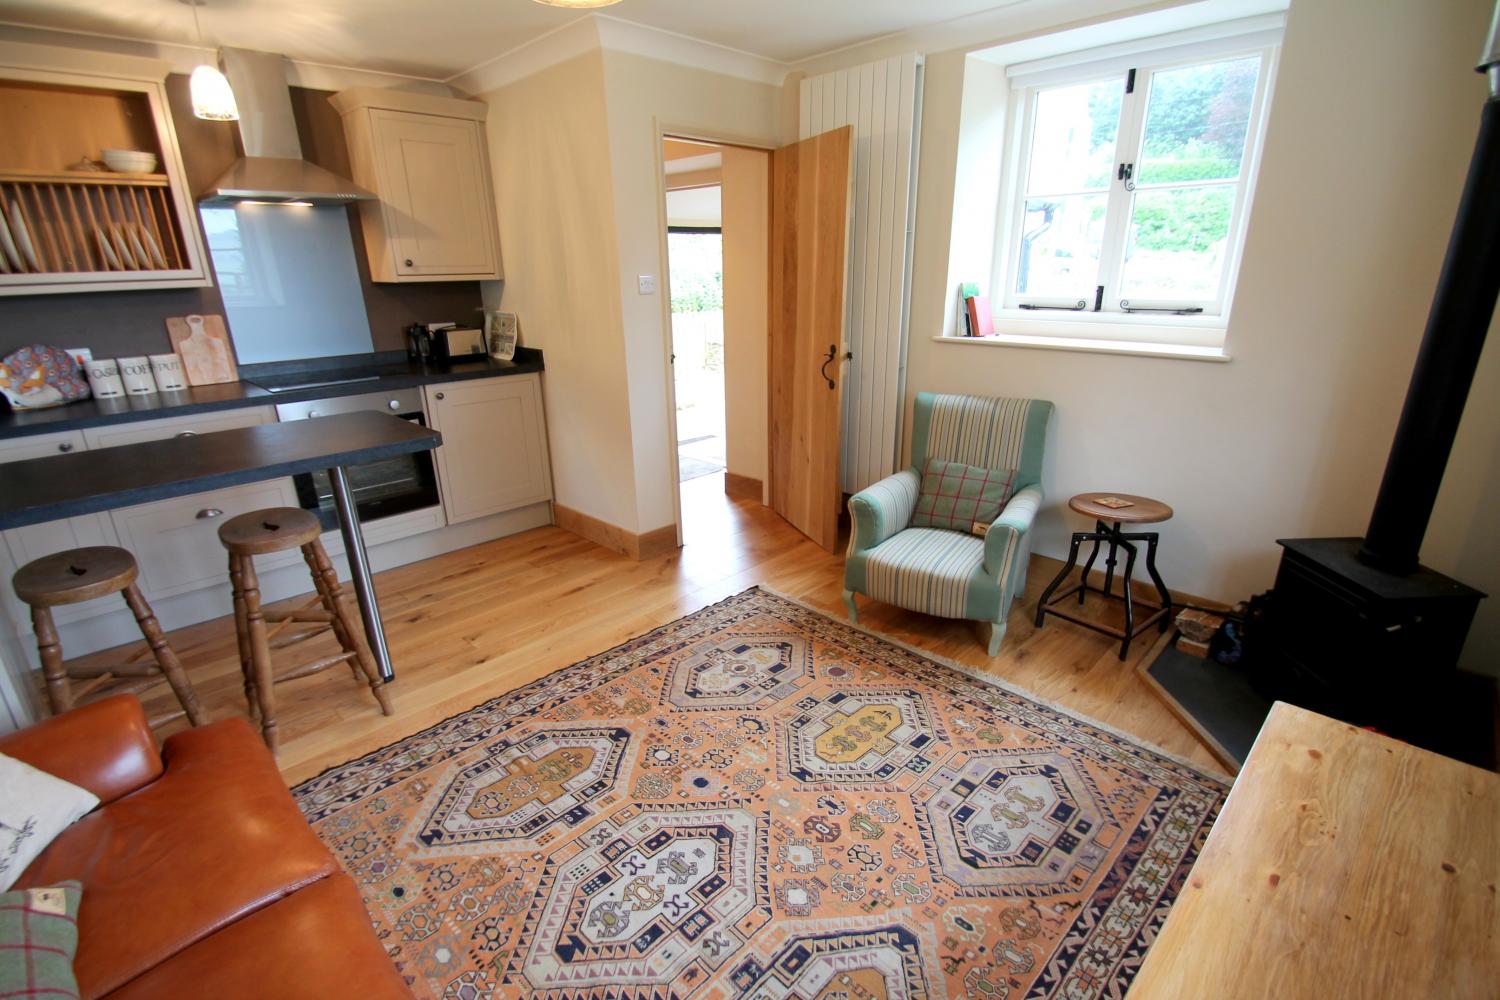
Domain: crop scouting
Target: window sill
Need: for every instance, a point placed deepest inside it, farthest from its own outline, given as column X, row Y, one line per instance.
column 1139, row 349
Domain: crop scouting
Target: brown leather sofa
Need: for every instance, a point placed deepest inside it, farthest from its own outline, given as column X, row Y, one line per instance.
column 200, row 876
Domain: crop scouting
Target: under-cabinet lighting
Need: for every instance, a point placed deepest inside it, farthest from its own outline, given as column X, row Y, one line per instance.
column 258, row 201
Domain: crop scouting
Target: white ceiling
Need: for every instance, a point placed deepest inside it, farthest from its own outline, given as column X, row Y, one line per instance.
column 438, row 39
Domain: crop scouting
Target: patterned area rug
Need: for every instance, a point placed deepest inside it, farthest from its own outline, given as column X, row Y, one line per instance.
column 759, row 801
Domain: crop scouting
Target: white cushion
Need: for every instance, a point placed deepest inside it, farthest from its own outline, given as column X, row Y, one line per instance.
column 34, row 808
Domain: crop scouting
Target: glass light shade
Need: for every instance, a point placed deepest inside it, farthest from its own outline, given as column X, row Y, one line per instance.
column 212, row 96
column 578, row 4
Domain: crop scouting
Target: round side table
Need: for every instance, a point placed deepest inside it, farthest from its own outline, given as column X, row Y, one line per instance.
column 1109, row 520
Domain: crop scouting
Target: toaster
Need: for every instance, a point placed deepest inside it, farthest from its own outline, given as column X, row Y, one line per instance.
column 457, row 344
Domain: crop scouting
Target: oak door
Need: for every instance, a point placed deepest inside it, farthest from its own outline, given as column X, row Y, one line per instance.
column 809, row 243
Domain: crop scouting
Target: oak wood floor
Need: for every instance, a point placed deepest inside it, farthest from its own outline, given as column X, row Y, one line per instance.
column 470, row 625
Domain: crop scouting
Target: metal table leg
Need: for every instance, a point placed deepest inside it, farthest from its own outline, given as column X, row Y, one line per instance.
column 1041, row 604
column 359, row 571
column 1088, row 567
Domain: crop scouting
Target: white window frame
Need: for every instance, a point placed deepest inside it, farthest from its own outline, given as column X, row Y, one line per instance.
column 1110, row 322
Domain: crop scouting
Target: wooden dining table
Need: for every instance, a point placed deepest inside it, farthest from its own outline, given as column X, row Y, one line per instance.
column 85, row 482
column 1344, row 864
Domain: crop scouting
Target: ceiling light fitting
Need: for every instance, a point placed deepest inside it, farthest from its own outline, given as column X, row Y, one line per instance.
column 213, row 98
column 577, row 4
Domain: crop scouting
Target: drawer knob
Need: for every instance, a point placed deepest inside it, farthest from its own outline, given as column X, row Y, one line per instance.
column 408, row 262
column 208, row 513
column 187, row 434
column 394, row 404
column 65, row 446
column 438, row 396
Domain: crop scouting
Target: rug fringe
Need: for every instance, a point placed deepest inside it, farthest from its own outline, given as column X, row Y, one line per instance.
column 980, row 675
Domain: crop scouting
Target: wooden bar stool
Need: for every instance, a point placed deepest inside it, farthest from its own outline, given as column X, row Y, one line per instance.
column 277, row 529
column 78, row 575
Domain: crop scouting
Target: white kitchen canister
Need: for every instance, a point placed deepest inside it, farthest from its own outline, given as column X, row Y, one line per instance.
column 104, row 378
column 168, row 371
column 136, row 374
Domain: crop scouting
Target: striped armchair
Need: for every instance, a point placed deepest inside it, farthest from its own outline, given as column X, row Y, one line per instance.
column 952, row 574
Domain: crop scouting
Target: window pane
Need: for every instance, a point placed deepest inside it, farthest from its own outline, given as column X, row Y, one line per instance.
column 1196, row 122
column 1060, row 241
column 1073, row 141
column 1178, row 238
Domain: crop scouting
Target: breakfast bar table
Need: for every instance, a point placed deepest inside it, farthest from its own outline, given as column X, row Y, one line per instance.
column 66, row 485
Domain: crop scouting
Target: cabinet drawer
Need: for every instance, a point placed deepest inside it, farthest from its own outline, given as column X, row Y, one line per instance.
column 170, row 427
column 40, row 446
column 36, row 540
column 176, row 541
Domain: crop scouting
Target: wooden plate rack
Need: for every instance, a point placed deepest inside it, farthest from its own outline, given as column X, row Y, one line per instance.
column 90, row 222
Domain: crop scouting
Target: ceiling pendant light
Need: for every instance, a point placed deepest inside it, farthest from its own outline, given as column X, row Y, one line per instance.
column 578, row 4
column 213, row 98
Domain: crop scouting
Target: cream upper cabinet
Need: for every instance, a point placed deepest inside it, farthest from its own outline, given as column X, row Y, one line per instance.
column 494, row 452
column 427, row 160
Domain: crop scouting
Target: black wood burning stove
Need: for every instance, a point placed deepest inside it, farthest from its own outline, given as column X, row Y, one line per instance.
column 1356, row 628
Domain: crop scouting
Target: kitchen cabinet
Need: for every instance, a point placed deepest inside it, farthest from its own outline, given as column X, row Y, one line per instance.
column 426, row 158
column 82, row 230
column 175, row 542
column 494, row 452
column 22, row 545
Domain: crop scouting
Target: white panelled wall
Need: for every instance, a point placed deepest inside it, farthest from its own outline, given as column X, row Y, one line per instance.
column 881, row 100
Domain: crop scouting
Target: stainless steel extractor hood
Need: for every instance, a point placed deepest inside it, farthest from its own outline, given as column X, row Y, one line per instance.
column 272, row 168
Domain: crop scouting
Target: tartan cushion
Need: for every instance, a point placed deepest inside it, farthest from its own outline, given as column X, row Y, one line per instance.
column 960, row 497
column 38, row 937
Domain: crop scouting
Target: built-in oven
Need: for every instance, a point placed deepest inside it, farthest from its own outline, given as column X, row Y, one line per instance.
column 381, row 489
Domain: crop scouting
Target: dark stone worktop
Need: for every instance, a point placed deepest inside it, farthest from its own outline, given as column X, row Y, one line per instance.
column 391, row 368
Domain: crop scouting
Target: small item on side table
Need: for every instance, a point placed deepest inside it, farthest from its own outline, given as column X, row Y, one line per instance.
column 39, row 376
column 203, row 344
column 104, row 378
column 136, row 374
column 1135, row 510
column 503, row 331
column 168, row 371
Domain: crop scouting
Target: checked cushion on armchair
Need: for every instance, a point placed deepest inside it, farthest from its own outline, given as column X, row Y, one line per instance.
column 940, row 568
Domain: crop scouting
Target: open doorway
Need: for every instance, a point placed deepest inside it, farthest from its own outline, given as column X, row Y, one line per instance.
column 695, row 255
column 717, row 230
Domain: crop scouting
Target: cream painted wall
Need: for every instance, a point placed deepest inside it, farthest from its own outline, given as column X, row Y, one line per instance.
column 1373, row 120
column 555, row 198
column 643, row 97
column 746, row 205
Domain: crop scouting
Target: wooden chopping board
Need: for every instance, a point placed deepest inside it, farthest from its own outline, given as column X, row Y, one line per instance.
column 203, row 344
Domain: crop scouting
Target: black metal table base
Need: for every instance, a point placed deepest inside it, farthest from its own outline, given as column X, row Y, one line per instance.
column 1156, row 614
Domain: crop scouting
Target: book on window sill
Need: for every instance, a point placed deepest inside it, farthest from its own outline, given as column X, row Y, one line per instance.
column 981, row 321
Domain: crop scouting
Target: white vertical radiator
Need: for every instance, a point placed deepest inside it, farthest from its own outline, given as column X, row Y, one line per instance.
column 882, row 101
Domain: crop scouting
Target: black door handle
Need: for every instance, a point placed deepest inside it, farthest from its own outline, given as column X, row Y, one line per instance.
column 833, row 352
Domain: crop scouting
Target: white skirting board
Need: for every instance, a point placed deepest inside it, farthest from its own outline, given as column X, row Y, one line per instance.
column 882, row 101
column 18, row 655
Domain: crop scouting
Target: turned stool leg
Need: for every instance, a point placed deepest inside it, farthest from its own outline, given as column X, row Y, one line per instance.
column 260, row 651
column 59, row 691
column 242, row 635
column 349, row 634
column 166, row 658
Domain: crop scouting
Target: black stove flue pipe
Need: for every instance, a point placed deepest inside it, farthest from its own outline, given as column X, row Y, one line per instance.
column 1462, row 310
